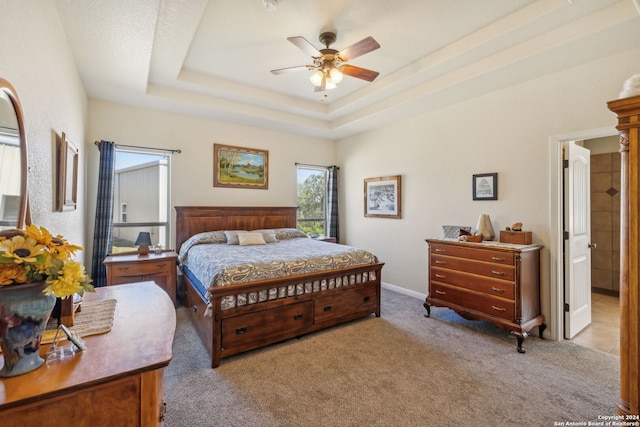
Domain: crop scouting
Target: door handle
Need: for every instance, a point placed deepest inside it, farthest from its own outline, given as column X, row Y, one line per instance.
column 592, row 246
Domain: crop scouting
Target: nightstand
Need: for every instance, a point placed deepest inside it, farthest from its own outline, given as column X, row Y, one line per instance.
column 325, row 239
column 160, row 268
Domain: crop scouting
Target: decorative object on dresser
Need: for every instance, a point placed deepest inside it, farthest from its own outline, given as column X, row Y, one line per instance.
column 485, row 186
column 117, row 382
column 249, row 312
column 487, row 281
column 160, row 268
column 383, row 197
column 484, row 227
column 453, row 231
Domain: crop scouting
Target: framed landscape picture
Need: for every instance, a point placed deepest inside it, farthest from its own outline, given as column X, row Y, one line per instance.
column 240, row 167
column 485, row 186
column 382, row 197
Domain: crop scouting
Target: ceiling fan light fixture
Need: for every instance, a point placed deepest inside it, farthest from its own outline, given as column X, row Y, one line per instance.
column 336, row 75
column 330, row 85
column 316, row 78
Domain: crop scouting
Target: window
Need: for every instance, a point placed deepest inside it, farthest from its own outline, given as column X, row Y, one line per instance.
column 123, row 212
column 312, row 200
column 142, row 193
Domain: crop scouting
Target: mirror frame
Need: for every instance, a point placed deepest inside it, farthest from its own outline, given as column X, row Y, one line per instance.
column 9, row 90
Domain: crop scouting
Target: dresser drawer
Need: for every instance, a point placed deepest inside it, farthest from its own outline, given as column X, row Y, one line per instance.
column 141, row 268
column 493, row 306
column 276, row 324
column 499, row 288
column 498, row 271
column 476, row 253
column 362, row 299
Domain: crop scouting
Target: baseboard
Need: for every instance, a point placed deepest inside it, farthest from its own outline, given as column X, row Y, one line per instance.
column 404, row 291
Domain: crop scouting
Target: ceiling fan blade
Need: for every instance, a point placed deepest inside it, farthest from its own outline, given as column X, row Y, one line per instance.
column 291, row 69
column 303, row 44
column 360, row 73
column 359, row 48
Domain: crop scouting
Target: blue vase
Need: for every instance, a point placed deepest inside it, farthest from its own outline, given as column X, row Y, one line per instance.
column 24, row 313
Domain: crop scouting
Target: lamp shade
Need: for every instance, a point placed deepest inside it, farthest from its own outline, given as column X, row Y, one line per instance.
column 143, row 242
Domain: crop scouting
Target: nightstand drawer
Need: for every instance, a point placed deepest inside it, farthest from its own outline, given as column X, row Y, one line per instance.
column 140, row 268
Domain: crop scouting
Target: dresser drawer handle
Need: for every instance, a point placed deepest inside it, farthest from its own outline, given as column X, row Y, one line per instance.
column 497, row 273
column 366, row 298
column 439, row 262
column 327, row 308
column 441, row 276
column 241, row 330
column 439, row 250
column 440, row 292
column 297, row 316
column 498, row 308
column 495, row 258
column 497, row 290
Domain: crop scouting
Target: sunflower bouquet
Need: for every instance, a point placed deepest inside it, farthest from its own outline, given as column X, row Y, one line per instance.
column 34, row 255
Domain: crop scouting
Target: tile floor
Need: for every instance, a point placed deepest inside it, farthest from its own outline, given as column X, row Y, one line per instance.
column 604, row 331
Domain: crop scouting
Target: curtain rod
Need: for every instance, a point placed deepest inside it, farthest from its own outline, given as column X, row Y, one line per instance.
column 315, row 166
column 145, row 148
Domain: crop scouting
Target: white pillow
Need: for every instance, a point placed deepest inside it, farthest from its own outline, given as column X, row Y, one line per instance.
column 246, row 239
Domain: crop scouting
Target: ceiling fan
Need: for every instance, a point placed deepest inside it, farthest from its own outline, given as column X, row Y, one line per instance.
column 331, row 64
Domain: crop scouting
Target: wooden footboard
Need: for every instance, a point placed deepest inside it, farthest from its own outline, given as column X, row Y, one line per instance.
column 248, row 316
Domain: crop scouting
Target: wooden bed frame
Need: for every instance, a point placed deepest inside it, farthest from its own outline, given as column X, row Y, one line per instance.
column 288, row 314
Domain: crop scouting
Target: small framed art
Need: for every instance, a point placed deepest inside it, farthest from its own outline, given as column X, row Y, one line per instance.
column 485, row 186
column 383, row 197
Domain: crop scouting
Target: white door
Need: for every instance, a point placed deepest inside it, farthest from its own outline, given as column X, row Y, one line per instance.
column 577, row 239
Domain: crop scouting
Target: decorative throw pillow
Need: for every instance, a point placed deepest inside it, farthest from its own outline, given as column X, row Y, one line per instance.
column 232, row 236
column 289, row 233
column 268, row 235
column 246, row 239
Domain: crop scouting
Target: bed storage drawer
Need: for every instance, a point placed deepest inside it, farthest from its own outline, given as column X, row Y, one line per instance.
column 358, row 300
column 276, row 324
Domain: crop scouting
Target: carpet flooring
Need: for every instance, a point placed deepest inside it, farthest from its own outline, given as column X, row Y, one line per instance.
column 401, row 369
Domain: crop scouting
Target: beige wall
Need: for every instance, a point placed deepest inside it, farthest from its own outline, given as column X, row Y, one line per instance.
column 36, row 60
column 437, row 153
column 192, row 170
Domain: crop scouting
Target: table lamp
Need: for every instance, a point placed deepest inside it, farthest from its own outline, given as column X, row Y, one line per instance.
column 143, row 242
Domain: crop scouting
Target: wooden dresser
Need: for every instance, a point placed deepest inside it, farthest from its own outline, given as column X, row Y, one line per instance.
column 161, row 268
column 491, row 281
column 116, row 381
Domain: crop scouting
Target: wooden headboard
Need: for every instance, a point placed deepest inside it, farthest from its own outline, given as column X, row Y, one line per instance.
column 191, row 220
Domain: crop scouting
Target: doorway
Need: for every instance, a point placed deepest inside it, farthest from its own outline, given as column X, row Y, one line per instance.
column 606, row 307
column 556, row 222
column 604, row 330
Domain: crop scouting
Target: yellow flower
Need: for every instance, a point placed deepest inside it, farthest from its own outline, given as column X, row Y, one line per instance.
column 35, row 255
column 10, row 273
column 22, row 249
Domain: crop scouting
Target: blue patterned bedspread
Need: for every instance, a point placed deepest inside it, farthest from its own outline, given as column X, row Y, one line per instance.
column 219, row 264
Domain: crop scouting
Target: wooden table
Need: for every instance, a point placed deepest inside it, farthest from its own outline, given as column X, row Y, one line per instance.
column 116, row 381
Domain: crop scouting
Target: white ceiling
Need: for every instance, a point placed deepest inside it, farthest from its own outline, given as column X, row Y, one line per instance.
column 212, row 58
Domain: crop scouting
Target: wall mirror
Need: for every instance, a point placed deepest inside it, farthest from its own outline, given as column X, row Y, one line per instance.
column 13, row 160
